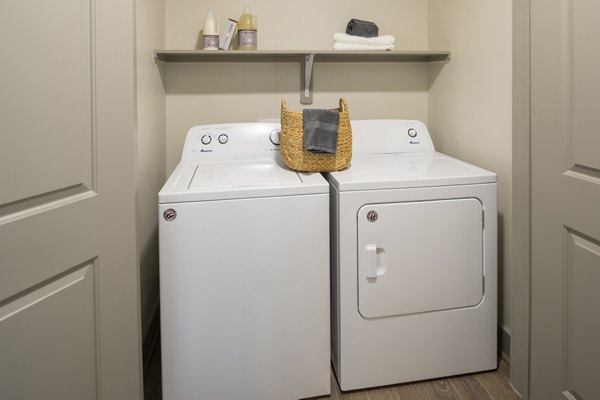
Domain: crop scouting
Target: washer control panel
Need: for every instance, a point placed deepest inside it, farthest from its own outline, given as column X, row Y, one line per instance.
column 384, row 136
column 225, row 140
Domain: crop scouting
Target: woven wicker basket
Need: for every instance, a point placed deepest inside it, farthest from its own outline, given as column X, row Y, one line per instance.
column 292, row 143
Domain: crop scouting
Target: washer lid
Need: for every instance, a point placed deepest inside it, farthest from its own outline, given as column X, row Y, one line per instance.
column 248, row 173
column 407, row 170
column 236, row 179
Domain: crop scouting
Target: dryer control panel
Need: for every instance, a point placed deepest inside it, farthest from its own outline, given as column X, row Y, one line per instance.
column 380, row 136
column 236, row 140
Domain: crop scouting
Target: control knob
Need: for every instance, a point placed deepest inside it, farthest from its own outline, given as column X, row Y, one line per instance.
column 223, row 138
column 412, row 132
column 206, row 139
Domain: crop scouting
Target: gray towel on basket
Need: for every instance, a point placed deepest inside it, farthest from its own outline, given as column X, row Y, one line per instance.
column 320, row 130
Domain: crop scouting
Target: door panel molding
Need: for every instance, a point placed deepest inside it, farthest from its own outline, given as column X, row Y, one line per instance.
column 571, row 395
column 582, row 322
column 583, row 62
column 48, row 337
column 93, row 99
column 567, row 81
column 582, row 172
column 34, row 249
column 22, row 301
column 586, row 242
column 45, row 202
column 46, row 128
column 46, row 288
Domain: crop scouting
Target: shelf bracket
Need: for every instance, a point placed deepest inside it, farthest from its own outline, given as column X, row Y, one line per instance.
column 306, row 79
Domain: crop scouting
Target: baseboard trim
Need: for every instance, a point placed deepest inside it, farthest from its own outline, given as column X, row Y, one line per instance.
column 151, row 340
column 504, row 344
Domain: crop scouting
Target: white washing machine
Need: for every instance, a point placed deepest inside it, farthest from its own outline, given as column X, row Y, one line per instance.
column 244, row 271
column 413, row 260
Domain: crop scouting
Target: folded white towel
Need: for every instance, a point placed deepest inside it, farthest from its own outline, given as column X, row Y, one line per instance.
column 346, row 46
column 384, row 40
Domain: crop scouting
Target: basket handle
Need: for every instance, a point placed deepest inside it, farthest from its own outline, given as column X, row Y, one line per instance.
column 343, row 105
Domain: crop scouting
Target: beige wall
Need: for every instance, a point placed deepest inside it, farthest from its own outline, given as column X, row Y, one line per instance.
column 151, row 155
column 466, row 102
column 300, row 25
column 470, row 104
column 200, row 93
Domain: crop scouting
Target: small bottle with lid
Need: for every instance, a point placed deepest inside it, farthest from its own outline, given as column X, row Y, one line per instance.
column 210, row 33
column 247, row 32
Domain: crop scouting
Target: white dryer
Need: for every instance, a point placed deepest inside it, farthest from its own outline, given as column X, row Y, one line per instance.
column 413, row 260
column 244, row 271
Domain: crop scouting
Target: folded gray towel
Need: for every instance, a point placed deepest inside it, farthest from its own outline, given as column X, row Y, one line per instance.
column 320, row 130
column 357, row 27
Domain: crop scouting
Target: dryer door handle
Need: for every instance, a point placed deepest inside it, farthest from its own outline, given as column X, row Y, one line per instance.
column 371, row 260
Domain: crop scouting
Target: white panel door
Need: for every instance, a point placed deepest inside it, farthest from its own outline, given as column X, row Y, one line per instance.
column 565, row 163
column 419, row 256
column 67, row 263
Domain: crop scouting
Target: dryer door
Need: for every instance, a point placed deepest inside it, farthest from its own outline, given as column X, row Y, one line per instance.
column 416, row 257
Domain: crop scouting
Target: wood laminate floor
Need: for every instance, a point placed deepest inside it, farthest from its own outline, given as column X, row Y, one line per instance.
column 491, row 385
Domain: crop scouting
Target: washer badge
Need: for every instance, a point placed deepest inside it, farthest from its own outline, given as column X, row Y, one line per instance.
column 372, row 216
column 170, row 214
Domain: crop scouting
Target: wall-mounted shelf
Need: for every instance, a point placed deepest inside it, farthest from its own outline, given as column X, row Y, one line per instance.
column 305, row 57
